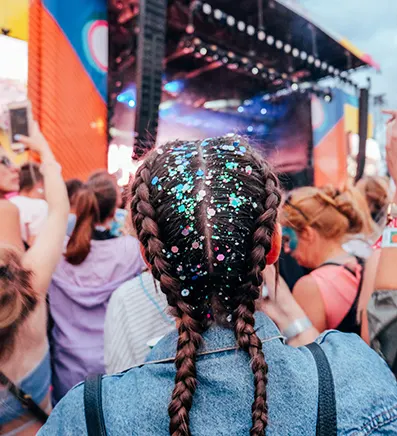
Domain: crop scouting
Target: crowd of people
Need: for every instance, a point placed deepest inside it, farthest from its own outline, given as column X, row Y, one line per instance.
column 216, row 303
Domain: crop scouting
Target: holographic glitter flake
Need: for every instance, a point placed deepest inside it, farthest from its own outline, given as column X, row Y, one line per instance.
column 195, row 245
column 185, row 292
column 174, row 249
column 211, row 212
column 185, row 231
column 155, row 180
column 160, row 151
column 229, row 318
column 248, row 169
column 220, row 257
column 231, row 165
column 181, row 208
column 200, row 173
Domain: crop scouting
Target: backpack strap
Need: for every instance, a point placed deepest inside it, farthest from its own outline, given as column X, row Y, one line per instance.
column 326, row 412
column 93, row 406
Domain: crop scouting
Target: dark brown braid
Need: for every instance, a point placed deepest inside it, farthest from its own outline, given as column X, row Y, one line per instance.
column 214, row 296
column 189, row 329
column 244, row 319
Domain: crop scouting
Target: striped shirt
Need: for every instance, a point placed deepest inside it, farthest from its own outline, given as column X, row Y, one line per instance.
column 136, row 318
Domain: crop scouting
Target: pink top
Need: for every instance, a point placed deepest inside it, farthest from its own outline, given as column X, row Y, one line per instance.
column 338, row 288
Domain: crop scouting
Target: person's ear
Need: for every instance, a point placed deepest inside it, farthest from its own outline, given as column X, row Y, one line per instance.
column 274, row 253
column 308, row 234
column 144, row 257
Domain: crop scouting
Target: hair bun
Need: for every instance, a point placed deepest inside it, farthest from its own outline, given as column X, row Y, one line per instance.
column 345, row 204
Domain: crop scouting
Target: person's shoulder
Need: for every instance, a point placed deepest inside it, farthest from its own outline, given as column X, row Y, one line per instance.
column 9, row 206
column 364, row 384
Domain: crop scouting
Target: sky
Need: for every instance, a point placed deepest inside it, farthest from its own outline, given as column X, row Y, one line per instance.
column 371, row 25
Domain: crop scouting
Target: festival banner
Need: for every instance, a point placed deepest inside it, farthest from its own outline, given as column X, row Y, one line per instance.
column 68, row 56
column 14, row 18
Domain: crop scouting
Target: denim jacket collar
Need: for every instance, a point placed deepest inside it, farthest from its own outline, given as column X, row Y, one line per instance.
column 216, row 338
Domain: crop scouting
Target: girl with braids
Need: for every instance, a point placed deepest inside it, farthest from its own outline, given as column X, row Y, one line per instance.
column 205, row 213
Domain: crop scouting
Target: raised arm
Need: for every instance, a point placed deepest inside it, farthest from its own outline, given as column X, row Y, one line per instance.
column 43, row 257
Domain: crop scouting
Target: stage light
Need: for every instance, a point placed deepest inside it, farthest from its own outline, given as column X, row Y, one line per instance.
column 328, row 97
column 336, row 72
column 261, row 35
column 230, row 21
column 270, row 39
column 344, row 74
column 203, row 51
column 279, row 44
column 317, row 63
column 324, row 66
column 218, row 14
column 263, row 111
column 310, row 59
column 207, row 9
column 294, row 87
column 215, row 57
column 287, row 48
column 303, row 55
column 190, row 29
column 225, row 59
column 131, row 103
column 331, row 69
column 250, row 129
column 255, row 71
column 174, row 86
column 196, row 41
column 295, row 52
column 241, row 26
column 264, row 76
column 259, row 65
column 240, row 109
column 250, row 30
column 244, row 61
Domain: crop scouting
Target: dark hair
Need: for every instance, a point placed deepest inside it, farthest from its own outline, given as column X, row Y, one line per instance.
column 17, row 299
column 95, row 203
column 205, row 213
column 73, row 186
column 29, row 176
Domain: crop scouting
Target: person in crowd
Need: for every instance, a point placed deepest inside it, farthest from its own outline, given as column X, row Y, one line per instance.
column 206, row 214
column 382, row 308
column 318, row 222
column 136, row 318
column 94, row 265
column 375, row 189
column 33, row 209
column 9, row 175
column 73, row 186
column 24, row 280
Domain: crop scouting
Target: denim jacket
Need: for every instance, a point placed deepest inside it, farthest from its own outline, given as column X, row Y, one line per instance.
column 135, row 402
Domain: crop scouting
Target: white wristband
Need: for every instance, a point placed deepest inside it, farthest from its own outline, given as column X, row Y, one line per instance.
column 389, row 238
column 297, row 327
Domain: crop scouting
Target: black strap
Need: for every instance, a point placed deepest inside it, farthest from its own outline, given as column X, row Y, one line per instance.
column 326, row 412
column 93, row 406
column 24, row 398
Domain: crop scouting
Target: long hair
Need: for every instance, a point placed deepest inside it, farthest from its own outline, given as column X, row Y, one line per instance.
column 95, row 203
column 205, row 213
column 17, row 299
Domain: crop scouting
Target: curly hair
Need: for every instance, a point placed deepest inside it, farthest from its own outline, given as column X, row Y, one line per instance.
column 205, row 213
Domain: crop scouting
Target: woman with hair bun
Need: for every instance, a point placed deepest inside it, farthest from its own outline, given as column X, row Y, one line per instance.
column 24, row 279
column 206, row 213
column 316, row 223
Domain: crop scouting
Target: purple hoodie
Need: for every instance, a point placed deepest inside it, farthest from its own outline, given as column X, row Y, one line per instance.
column 79, row 296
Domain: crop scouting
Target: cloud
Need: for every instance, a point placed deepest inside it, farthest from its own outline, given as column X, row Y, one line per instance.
column 371, row 26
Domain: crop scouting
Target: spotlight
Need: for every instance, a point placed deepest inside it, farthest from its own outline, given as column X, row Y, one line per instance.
column 207, row 9
column 263, row 111
column 250, row 30
column 317, row 63
column 294, row 87
column 310, row 59
column 225, row 59
column 328, row 97
column 331, row 69
column 324, row 66
column 230, row 21
column 131, row 103
column 255, row 71
column 287, row 48
column 295, row 52
column 261, row 35
column 336, row 72
column 303, row 55
column 244, row 61
column 218, row 14
column 250, row 129
column 270, row 40
column 240, row 109
column 241, row 26
column 344, row 74
column 203, row 51
column 279, row 44
column 190, row 29
column 264, row 76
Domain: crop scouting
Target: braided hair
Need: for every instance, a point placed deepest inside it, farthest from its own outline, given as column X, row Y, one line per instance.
column 205, row 213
